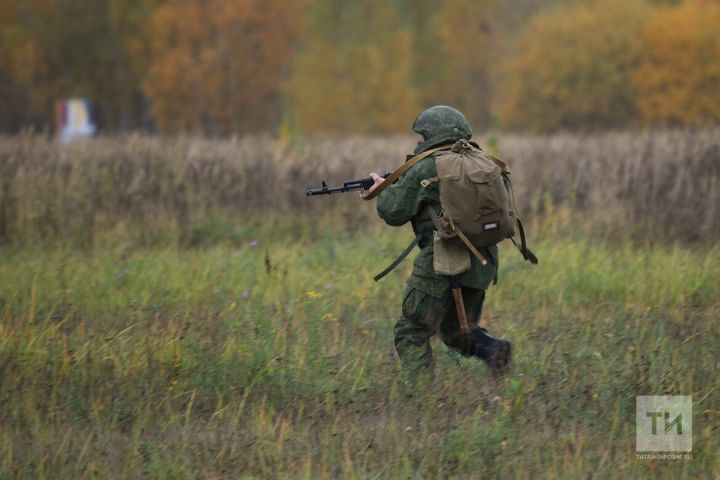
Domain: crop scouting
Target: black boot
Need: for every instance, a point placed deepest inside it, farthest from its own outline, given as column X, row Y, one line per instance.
column 496, row 352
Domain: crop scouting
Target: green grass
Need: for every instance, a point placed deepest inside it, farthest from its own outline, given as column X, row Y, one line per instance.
column 276, row 360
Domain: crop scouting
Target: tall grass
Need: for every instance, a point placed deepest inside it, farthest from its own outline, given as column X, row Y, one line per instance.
column 274, row 359
column 153, row 191
column 266, row 351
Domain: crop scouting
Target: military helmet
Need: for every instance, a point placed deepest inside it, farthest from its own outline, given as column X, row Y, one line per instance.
column 440, row 124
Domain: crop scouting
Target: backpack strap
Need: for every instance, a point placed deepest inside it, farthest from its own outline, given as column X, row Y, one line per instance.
column 403, row 168
column 439, row 226
column 503, row 166
column 526, row 253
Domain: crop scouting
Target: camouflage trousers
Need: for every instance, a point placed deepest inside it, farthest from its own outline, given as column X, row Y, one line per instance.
column 423, row 316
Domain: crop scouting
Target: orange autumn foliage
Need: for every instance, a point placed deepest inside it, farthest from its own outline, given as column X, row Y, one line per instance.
column 469, row 43
column 678, row 80
column 217, row 66
column 222, row 67
column 572, row 68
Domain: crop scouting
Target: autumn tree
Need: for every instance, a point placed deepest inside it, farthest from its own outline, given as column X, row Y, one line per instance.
column 457, row 46
column 678, row 80
column 354, row 71
column 429, row 57
column 24, row 75
column 55, row 49
column 127, row 48
column 572, row 68
column 469, row 39
column 217, row 66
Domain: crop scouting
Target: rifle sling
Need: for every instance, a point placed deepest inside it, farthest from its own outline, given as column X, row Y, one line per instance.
column 386, row 183
column 399, row 259
column 403, row 168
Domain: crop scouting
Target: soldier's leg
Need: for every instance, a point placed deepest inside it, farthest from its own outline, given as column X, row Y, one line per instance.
column 421, row 314
column 495, row 352
column 450, row 326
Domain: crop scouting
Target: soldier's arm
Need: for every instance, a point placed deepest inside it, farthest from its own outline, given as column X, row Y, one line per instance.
column 400, row 202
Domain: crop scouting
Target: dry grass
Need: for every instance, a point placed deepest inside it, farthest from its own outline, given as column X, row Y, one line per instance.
column 664, row 184
column 655, row 185
column 269, row 354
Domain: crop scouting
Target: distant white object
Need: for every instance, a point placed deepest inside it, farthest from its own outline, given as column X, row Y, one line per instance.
column 74, row 120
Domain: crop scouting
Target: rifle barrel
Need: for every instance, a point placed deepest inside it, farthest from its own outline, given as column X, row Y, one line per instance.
column 363, row 183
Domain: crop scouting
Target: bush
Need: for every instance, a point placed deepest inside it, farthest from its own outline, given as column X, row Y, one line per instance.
column 679, row 72
column 572, row 68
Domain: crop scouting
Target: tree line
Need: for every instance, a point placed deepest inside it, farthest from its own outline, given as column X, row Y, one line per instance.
column 221, row 67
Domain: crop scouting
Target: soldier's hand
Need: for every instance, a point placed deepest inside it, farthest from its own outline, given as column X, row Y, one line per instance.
column 377, row 179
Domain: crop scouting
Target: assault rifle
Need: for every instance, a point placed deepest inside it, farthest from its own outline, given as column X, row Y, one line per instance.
column 363, row 183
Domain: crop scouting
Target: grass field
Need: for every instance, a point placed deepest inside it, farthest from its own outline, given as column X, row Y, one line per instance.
column 272, row 357
column 177, row 308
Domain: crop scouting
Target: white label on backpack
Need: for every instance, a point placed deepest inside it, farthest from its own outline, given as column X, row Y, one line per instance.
column 491, row 226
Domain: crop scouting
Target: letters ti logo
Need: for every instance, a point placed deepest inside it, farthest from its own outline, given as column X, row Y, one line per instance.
column 663, row 423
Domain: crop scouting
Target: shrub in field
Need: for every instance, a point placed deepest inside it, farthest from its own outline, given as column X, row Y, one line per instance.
column 572, row 68
column 679, row 72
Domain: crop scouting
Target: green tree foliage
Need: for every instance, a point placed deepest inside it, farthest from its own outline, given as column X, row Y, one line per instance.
column 457, row 45
column 678, row 80
column 354, row 72
column 572, row 68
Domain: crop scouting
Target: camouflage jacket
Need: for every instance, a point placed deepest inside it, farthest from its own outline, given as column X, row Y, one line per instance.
column 406, row 201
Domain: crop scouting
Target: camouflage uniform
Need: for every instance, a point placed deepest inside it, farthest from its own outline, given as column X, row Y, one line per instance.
column 428, row 305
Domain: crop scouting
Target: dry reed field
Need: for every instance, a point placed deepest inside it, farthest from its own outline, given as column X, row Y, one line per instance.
column 179, row 309
column 664, row 183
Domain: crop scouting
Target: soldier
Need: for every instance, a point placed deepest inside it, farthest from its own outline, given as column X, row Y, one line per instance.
column 428, row 306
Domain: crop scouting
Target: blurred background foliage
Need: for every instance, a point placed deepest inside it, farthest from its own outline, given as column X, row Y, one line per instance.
column 363, row 66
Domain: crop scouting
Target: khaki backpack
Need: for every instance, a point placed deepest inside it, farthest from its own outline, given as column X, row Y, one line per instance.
column 478, row 209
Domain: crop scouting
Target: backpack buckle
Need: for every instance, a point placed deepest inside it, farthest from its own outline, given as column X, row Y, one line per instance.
column 461, row 145
column 427, row 181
